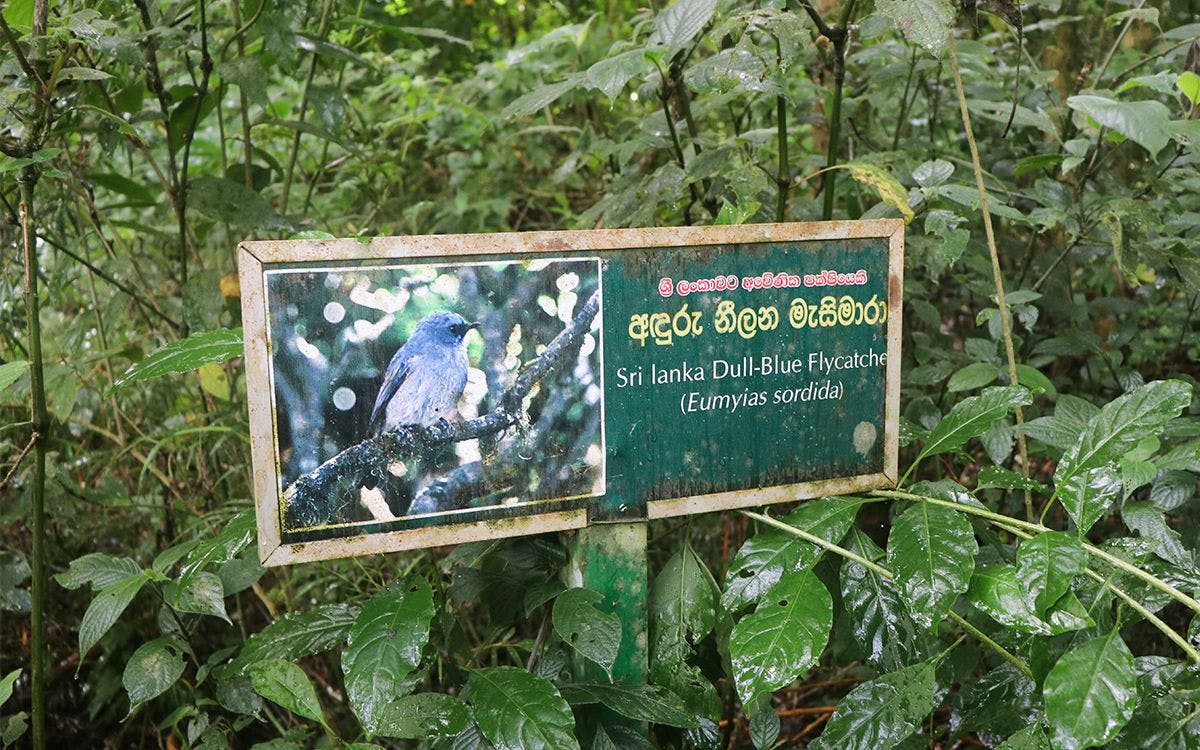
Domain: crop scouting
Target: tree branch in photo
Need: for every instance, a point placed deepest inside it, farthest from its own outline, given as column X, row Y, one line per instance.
column 310, row 498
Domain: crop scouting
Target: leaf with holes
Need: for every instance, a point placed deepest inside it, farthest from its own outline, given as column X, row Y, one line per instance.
column 594, row 633
column 384, row 646
column 931, row 551
column 516, row 710
column 881, row 713
column 769, row 555
column 682, row 612
column 783, row 637
column 1091, row 692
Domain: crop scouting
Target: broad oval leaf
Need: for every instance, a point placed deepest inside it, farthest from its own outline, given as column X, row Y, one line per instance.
column 878, row 618
column 682, row 607
column 769, row 554
column 423, row 716
column 1147, row 123
column 682, row 20
column 203, row 594
column 1087, row 496
column 994, row 590
column 974, row 375
column 284, row 683
column 1091, row 692
column 931, row 551
column 923, row 22
column 1032, row 737
column 104, row 610
column 516, row 710
column 652, row 703
column 384, row 646
column 783, row 637
column 228, row 201
column 98, row 569
column 594, row 633
column 151, row 671
column 971, row 417
column 217, row 345
column 1121, row 423
column 297, row 634
column 881, row 713
column 540, row 97
column 1046, row 566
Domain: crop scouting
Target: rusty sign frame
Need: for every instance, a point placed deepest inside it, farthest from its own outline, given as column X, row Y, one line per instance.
column 255, row 258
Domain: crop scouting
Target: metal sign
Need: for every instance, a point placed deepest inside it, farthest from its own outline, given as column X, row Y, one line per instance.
column 420, row 391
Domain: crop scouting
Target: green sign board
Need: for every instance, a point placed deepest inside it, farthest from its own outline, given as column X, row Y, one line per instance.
column 421, row 391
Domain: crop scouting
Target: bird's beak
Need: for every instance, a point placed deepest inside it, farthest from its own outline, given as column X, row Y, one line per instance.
column 472, row 325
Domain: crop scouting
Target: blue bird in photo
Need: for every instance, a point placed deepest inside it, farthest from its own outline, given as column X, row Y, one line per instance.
column 426, row 377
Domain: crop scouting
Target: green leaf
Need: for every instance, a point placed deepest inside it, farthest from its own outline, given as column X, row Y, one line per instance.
column 19, row 14
column 651, row 703
column 1189, row 84
column 931, row 551
column 1148, row 521
column 247, row 74
column 1031, row 737
column 1046, row 566
column 933, row 173
column 516, row 710
column 923, row 22
column 1172, row 489
column 610, row 75
column 282, row 682
column 1091, row 692
column 1121, row 423
column 151, row 671
column 98, row 569
column 104, row 610
column 423, row 716
column 999, row 702
column 882, row 182
column 591, row 631
column 297, row 634
column 10, row 372
column 1147, row 123
column 876, row 612
column 217, row 345
column 137, row 193
column 682, row 20
column 783, row 637
column 1062, row 430
column 6, row 685
column 764, row 723
column 541, row 97
column 1035, row 381
column 994, row 590
column 975, row 375
column 769, row 555
column 682, row 607
column 881, row 713
column 384, row 646
column 1007, row 479
column 76, row 73
column 972, row 416
column 202, row 594
column 1087, row 497
column 228, row 201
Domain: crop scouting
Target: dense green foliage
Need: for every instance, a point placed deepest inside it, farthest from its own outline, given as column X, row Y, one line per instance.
column 1031, row 584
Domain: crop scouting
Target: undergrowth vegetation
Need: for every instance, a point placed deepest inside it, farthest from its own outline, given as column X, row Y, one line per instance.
column 1031, row 583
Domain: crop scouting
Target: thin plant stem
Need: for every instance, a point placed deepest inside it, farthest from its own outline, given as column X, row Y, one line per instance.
column 40, row 435
column 322, row 27
column 1154, row 620
column 1007, row 655
column 783, row 175
column 997, row 275
column 839, row 39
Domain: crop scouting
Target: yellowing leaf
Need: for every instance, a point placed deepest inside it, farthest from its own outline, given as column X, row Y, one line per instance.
column 889, row 188
column 214, row 380
column 230, row 286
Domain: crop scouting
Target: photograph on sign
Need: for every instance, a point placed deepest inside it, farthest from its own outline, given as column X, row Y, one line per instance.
column 421, row 391
column 360, row 350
